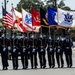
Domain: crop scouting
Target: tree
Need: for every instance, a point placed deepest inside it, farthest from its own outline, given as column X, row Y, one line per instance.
column 51, row 3
column 66, row 8
column 1, row 20
column 63, row 6
column 27, row 4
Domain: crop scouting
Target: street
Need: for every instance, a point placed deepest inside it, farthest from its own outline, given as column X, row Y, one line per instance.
column 38, row 71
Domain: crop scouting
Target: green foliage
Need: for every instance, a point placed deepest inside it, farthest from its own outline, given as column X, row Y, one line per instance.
column 72, row 33
column 62, row 5
column 66, row 8
column 1, row 20
column 28, row 4
column 50, row 3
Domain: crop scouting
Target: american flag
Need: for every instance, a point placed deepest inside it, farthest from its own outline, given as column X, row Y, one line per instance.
column 7, row 19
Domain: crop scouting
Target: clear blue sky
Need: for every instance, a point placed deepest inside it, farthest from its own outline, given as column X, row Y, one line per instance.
column 70, row 3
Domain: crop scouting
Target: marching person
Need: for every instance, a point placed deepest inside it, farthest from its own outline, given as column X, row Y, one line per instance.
column 41, row 51
column 68, row 51
column 4, row 53
column 14, row 53
column 50, row 52
column 59, row 52
column 9, row 48
column 33, row 52
column 24, row 52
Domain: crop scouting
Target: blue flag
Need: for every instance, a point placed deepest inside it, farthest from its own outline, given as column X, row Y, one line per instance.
column 52, row 20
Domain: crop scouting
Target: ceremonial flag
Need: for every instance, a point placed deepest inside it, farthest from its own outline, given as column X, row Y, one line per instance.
column 66, row 18
column 7, row 19
column 35, row 18
column 17, row 21
column 52, row 17
column 44, row 17
column 27, row 21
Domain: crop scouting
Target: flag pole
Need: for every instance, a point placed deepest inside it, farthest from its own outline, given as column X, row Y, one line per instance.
column 49, row 30
column 23, row 32
column 55, row 6
column 12, row 27
column 23, row 39
column 3, row 28
column 41, row 35
column 41, row 30
column 5, row 10
column 12, row 20
column 32, row 29
column 49, row 36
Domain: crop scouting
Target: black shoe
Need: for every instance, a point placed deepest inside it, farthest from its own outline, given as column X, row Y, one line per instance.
column 53, row 66
column 3, row 68
column 6, row 68
column 40, row 66
column 67, row 66
column 35, row 67
column 70, row 66
column 26, row 67
column 31, row 67
column 49, row 66
column 58, row 66
column 23, row 68
column 13, row 68
column 62, row 66
column 44, row 66
column 16, row 68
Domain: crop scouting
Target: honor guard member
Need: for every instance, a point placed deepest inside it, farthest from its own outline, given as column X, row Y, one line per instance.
column 4, row 53
column 19, row 44
column 68, row 51
column 1, row 43
column 14, row 53
column 9, row 48
column 50, row 52
column 59, row 52
column 33, row 52
column 41, row 51
column 24, row 51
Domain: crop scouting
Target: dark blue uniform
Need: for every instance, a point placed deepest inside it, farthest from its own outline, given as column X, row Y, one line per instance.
column 14, row 53
column 68, row 51
column 33, row 52
column 24, row 52
column 50, row 53
column 4, row 53
column 41, row 52
column 59, row 53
